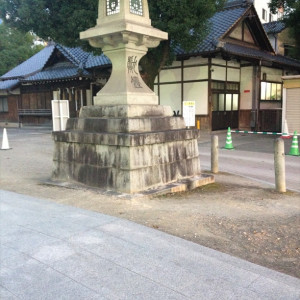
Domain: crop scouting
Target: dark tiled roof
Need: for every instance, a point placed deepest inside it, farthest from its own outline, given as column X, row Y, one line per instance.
column 31, row 65
column 258, row 54
column 8, row 84
column 75, row 55
column 63, row 70
column 274, row 27
column 220, row 23
column 35, row 68
column 96, row 61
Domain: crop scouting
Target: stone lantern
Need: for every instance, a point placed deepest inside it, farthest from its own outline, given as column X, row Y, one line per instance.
column 126, row 142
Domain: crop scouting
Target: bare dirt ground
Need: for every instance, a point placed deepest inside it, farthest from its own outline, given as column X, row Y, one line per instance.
column 244, row 218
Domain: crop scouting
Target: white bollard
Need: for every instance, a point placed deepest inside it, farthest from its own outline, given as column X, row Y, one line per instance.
column 5, row 144
column 215, row 154
column 279, row 164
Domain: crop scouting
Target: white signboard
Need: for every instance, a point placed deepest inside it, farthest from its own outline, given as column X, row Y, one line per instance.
column 189, row 111
column 60, row 114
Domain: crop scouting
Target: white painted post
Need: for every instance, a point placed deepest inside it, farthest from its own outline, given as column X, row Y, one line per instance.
column 279, row 164
column 283, row 122
column 215, row 154
column 61, row 116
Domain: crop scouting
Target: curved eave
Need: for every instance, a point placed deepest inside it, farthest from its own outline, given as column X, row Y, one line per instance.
column 264, row 57
column 45, row 81
column 99, row 67
column 195, row 54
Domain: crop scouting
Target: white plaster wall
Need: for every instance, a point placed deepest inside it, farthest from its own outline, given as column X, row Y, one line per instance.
column 195, row 60
column 272, row 74
column 218, row 61
column 233, row 63
column 195, row 73
column 170, row 94
column 218, row 73
column 233, row 75
column 170, row 75
column 197, row 91
column 259, row 5
column 246, row 85
column 176, row 63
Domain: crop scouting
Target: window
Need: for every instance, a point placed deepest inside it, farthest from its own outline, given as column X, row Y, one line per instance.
column 264, row 15
column 136, row 7
column 218, row 85
column 271, row 91
column 232, row 86
column 225, row 86
column 225, row 102
column 112, row 7
column 3, row 105
column 270, row 17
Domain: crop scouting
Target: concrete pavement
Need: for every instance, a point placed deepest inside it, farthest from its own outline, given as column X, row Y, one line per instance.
column 52, row 251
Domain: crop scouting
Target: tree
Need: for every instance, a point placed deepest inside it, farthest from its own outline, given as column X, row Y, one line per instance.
column 15, row 47
column 291, row 18
column 184, row 20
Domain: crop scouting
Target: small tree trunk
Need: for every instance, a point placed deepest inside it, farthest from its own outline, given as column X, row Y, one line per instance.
column 153, row 62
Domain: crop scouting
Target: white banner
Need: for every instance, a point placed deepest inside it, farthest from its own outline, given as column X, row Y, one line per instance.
column 60, row 114
column 189, row 112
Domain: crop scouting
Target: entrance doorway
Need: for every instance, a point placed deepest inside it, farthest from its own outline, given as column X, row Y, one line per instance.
column 225, row 111
column 225, row 105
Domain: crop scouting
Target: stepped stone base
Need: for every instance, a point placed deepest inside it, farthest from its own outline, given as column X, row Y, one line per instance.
column 126, row 148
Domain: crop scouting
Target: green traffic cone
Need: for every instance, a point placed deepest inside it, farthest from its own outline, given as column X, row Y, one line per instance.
column 295, row 147
column 229, row 145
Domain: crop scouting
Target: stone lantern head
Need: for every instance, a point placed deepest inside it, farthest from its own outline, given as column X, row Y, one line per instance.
column 128, row 10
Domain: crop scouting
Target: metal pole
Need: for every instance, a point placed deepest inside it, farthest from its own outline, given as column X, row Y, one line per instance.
column 215, row 154
column 279, row 164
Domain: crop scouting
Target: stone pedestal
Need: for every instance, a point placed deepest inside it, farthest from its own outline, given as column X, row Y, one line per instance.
column 126, row 148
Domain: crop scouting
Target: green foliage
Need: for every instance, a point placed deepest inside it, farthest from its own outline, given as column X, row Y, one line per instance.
column 15, row 47
column 291, row 18
column 56, row 19
column 62, row 21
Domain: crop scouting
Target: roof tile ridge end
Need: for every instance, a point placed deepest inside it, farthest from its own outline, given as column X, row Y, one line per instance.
column 236, row 22
column 74, row 58
column 51, row 45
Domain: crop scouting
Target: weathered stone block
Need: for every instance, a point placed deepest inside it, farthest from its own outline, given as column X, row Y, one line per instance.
column 125, row 111
column 130, row 159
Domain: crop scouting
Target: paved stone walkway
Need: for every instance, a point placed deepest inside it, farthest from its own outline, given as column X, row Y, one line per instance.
column 52, row 251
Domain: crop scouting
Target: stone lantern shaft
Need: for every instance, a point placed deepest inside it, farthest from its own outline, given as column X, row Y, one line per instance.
column 124, row 33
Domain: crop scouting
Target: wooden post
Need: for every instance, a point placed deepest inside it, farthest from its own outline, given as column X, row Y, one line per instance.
column 215, row 154
column 279, row 164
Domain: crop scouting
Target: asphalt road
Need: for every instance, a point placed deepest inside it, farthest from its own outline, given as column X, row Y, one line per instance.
column 253, row 157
